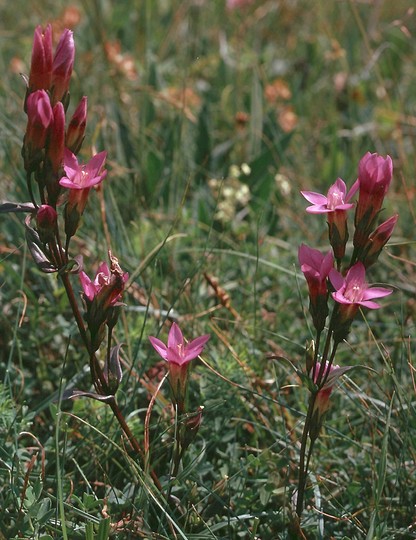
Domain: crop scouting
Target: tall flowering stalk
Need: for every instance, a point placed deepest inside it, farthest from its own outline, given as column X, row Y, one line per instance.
column 338, row 287
column 56, row 180
column 178, row 356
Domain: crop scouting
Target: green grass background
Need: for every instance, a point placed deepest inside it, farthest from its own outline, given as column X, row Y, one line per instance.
column 280, row 96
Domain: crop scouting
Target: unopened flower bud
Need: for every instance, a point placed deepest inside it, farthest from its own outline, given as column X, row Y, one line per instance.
column 46, row 221
column 41, row 65
column 378, row 239
column 63, row 62
column 55, row 153
column 39, row 119
column 375, row 174
column 76, row 128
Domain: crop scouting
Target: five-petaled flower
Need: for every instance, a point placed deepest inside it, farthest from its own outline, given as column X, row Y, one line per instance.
column 353, row 291
column 336, row 199
column 79, row 180
column 178, row 355
column 177, row 351
column 335, row 205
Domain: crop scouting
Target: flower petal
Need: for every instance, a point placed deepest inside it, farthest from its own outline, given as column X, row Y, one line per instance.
column 314, row 198
column 175, row 337
column 194, row 348
column 336, row 279
column 376, row 292
column 159, row 347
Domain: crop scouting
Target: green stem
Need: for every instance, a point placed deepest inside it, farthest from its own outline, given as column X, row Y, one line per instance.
column 303, row 471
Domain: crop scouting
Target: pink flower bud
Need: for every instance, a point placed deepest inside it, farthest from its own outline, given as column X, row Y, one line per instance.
column 76, row 128
column 41, row 66
column 378, row 239
column 46, row 221
column 375, row 174
column 39, row 118
column 63, row 62
column 316, row 267
column 57, row 139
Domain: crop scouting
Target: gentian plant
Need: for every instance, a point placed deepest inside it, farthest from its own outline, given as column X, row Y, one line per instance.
column 338, row 288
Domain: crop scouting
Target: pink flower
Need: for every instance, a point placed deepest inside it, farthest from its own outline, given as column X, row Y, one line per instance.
column 41, row 64
column 106, row 283
column 46, row 221
column 178, row 355
column 76, row 128
column 353, row 291
column 80, row 179
column 375, row 174
column 330, row 375
column 176, row 351
column 63, row 62
column 335, row 204
column 316, row 267
column 39, row 118
column 83, row 176
column 336, row 199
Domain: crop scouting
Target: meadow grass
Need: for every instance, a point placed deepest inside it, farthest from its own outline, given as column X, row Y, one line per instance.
column 213, row 121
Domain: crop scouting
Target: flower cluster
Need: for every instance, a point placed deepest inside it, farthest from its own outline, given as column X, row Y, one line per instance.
column 49, row 146
column 349, row 289
column 344, row 283
column 333, row 280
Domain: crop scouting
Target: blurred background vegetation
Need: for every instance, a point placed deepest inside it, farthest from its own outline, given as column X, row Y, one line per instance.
column 213, row 120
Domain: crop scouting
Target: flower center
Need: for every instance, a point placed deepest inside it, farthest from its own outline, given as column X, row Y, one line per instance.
column 335, row 198
column 354, row 293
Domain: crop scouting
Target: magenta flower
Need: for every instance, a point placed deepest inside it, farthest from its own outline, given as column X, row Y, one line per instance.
column 41, row 64
column 375, row 174
column 337, row 198
column 102, row 298
column 330, row 375
column 178, row 355
column 79, row 180
column 106, row 283
column 176, row 351
column 316, row 267
column 46, row 221
column 335, row 204
column 80, row 177
column 353, row 291
column 63, row 62
column 39, row 118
